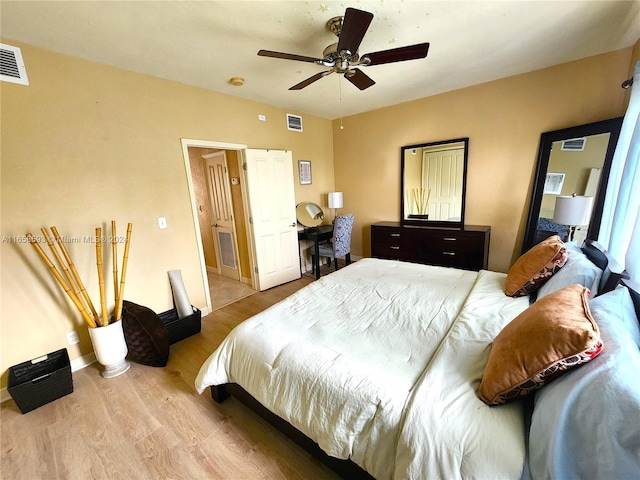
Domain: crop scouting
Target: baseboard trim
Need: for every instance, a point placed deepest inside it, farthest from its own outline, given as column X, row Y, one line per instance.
column 76, row 364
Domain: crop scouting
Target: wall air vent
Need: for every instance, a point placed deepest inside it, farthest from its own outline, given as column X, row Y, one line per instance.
column 225, row 239
column 294, row 122
column 11, row 65
column 575, row 144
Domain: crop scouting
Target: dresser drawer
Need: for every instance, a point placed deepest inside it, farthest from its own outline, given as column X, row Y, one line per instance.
column 456, row 242
column 394, row 243
column 459, row 249
column 451, row 259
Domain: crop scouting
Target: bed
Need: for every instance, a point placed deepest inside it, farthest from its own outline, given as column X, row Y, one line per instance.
column 377, row 368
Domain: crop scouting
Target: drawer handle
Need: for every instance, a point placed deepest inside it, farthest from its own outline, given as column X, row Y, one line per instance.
column 449, row 253
column 393, row 247
column 394, row 234
column 450, row 239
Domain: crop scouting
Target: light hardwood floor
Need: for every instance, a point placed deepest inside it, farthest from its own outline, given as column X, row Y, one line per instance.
column 150, row 423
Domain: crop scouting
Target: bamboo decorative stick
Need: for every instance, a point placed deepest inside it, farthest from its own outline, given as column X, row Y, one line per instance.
column 74, row 287
column 83, row 290
column 125, row 259
column 65, row 269
column 61, row 281
column 114, row 257
column 421, row 198
column 103, row 299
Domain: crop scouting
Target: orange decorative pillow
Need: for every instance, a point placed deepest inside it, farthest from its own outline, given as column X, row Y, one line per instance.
column 536, row 266
column 553, row 335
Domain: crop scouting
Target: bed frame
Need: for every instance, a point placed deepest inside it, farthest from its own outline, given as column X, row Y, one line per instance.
column 345, row 468
column 613, row 274
column 612, row 271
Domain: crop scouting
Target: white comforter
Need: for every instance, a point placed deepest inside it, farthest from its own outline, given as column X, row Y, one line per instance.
column 379, row 362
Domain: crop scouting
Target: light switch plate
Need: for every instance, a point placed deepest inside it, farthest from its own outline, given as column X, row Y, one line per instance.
column 162, row 222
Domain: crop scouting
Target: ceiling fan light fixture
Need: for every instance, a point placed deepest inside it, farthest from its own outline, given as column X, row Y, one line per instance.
column 236, row 81
column 334, row 25
column 343, row 57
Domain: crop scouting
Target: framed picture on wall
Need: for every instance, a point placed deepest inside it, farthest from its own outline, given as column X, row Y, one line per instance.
column 304, row 168
column 553, row 183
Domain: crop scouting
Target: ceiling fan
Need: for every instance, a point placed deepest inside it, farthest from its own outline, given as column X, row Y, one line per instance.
column 342, row 57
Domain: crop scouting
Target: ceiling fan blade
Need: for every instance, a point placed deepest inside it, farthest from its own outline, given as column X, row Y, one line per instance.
column 412, row 52
column 354, row 26
column 310, row 80
column 288, row 56
column 359, row 78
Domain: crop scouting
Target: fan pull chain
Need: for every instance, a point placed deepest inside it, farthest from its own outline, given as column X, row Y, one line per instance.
column 340, row 101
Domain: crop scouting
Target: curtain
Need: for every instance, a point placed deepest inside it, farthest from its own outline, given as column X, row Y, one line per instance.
column 620, row 227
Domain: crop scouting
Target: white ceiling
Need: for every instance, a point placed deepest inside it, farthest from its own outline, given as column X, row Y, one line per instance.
column 205, row 43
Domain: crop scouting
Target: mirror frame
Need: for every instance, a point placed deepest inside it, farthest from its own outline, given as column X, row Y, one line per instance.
column 435, row 223
column 547, row 139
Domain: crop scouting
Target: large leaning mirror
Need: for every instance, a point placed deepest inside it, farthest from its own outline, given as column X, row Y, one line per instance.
column 572, row 161
column 433, row 183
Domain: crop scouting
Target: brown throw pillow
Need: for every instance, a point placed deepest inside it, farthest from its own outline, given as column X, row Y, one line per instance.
column 536, row 266
column 146, row 336
column 553, row 335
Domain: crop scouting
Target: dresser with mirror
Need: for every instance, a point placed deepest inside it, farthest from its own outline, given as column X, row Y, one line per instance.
column 431, row 229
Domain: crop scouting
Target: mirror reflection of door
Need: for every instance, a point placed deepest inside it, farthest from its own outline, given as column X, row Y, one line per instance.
column 433, row 181
column 442, row 180
column 578, row 162
column 222, row 225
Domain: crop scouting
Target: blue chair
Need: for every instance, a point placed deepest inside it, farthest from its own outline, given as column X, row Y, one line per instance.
column 340, row 245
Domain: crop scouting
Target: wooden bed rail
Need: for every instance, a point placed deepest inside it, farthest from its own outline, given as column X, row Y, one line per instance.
column 345, row 468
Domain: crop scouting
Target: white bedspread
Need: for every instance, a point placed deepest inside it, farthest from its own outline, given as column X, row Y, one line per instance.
column 447, row 432
column 342, row 358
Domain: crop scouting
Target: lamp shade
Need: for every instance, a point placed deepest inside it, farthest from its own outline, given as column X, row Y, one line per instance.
column 573, row 210
column 335, row 200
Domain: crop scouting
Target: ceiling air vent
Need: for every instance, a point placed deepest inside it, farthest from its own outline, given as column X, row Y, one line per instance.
column 294, row 122
column 575, row 144
column 11, row 65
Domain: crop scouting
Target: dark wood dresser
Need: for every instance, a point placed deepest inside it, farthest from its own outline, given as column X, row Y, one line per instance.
column 466, row 248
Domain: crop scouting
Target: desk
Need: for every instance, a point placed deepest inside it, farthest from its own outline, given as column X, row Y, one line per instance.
column 316, row 234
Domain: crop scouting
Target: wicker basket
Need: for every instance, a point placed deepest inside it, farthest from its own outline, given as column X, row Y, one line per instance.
column 181, row 328
column 39, row 381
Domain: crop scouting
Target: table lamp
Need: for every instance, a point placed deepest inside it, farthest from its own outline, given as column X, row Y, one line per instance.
column 335, row 202
column 572, row 211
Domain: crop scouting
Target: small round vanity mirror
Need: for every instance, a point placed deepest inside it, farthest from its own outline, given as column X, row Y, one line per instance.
column 309, row 214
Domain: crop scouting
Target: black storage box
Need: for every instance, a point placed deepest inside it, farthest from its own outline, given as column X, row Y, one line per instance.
column 181, row 328
column 39, row 381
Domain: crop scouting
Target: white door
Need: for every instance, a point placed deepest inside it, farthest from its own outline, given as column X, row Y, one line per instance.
column 272, row 212
column 441, row 175
column 222, row 225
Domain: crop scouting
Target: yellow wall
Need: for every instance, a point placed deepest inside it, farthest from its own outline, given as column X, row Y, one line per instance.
column 85, row 144
column 503, row 120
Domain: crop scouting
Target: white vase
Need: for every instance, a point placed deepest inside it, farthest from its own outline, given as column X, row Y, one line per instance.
column 110, row 348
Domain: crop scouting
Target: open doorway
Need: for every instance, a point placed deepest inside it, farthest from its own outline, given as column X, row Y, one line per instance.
column 213, row 171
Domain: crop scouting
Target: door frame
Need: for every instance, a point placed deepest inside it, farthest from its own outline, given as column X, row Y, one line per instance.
column 186, row 143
